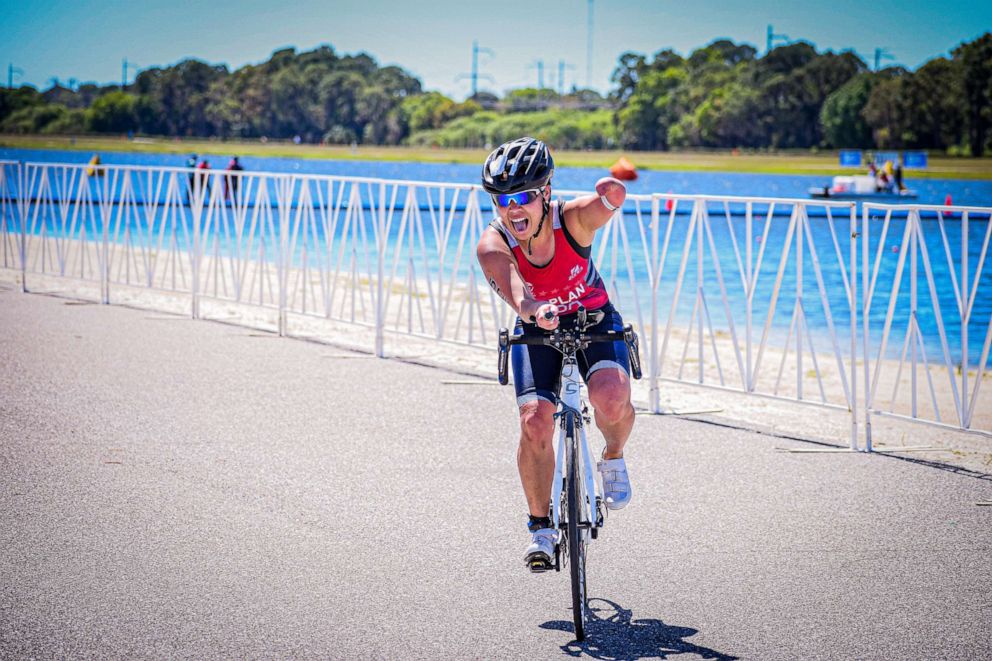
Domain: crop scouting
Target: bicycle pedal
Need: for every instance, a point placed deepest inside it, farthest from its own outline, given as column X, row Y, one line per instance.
column 540, row 565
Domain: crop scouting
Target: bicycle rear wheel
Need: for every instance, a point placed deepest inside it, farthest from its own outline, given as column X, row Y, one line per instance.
column 576, row 538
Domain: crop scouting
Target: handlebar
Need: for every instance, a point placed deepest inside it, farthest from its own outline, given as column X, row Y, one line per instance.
column 569, row 342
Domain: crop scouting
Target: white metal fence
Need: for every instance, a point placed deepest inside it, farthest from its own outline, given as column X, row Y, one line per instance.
column 753, row 295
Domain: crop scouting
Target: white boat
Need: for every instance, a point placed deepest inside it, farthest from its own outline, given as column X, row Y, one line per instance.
column 859, row 187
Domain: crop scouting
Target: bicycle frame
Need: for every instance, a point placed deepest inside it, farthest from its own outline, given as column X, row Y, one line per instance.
column 584, row 507
column 570, row 402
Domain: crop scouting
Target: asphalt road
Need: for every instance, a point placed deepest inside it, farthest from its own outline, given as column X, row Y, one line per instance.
column 177, row 489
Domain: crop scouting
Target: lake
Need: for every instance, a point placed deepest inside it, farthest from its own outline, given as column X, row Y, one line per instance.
column 971, row 193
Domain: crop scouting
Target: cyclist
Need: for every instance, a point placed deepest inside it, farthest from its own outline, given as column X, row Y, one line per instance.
column 537, row 257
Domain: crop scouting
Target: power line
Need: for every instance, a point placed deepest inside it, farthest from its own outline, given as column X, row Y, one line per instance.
column 772, row 38
column 11, row 71
column 882, row 54
column 539, row 65
column 125, row 65
column 475, row 75
column 562, row 65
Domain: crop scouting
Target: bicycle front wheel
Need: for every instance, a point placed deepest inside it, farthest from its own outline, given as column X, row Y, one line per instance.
column 576, row 538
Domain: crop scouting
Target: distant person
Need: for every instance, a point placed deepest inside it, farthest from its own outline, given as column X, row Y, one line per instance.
column 191, row 164
column 889, row 172
column 231, row 183
column 204, row 176
column 898, row 177
column 93, row 168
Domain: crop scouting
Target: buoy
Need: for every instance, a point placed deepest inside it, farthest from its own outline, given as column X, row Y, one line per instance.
column 623, row 170
column 668, row 203
column 947, row 203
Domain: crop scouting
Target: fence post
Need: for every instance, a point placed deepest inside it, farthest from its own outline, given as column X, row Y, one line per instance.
column 964, row 419
column 22, row 204
column 654, row 399
column 380, row 312
column 285, row 204
column 865, row 305
column 195, row 211
column 853, row 293
column 105, row 248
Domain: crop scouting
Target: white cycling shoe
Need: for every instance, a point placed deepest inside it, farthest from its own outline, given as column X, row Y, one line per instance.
column 541, row 552
column 616, row 483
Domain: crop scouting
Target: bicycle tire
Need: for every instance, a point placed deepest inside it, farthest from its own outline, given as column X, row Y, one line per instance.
column 576, row 541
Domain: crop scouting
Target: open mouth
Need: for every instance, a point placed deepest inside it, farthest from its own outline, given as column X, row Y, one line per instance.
column 519, row 224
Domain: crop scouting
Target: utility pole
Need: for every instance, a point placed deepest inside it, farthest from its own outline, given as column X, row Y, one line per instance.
column 562, row 65
column 124, row 67
column 475, row 75
column 882, row 54
column 539, row 65
column 589, row 48
column 11, row 70
column 772, row 38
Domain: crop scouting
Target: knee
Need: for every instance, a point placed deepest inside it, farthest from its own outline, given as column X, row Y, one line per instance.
column 536, row 425
column 612, row 401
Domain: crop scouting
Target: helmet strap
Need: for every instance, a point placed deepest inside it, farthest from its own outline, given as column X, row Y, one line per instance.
column 544, row 214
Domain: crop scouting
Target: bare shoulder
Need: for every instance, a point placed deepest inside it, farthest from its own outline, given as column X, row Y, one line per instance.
column 491, row 244
column 572, row 218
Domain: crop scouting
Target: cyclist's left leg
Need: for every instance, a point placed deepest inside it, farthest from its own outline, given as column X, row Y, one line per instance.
column 606, row 368
column 609, row 394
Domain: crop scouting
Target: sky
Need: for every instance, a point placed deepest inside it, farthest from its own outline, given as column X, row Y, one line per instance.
column 87, row 40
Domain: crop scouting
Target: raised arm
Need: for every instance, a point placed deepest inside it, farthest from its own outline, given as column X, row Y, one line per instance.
column 504, row 277
column 587, row 214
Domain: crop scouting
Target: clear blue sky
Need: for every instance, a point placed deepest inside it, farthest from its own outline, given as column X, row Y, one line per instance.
column 87, row 39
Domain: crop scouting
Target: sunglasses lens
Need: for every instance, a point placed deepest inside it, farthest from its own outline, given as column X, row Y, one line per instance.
column 521, row 198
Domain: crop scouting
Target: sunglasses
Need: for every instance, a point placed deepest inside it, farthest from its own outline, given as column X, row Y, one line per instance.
column 521, row 198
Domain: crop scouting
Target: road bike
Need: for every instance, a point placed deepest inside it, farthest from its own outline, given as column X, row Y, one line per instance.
column 577, row 507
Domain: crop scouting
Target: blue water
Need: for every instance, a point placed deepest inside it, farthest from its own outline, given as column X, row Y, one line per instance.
column 931, row 192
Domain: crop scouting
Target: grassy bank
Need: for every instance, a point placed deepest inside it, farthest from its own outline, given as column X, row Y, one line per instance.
column 801, row 162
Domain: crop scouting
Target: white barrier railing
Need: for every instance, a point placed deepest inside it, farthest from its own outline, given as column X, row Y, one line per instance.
column 753, row 295
column 11, row 244
column 924, row 234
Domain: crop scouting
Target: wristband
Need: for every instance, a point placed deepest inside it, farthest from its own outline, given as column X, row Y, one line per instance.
column 606, row 203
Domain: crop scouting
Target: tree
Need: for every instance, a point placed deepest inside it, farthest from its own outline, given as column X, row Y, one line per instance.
column 841, row 118
column 12, row 100
column 976, row 62
column 113, row 113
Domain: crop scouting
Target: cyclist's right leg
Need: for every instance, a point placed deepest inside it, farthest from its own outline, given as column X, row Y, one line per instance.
column 535, row 454
column 536, row 372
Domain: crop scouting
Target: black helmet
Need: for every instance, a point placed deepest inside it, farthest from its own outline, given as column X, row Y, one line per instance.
column 518, row 165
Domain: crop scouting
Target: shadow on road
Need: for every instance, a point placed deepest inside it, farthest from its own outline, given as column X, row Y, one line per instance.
column 614, row 635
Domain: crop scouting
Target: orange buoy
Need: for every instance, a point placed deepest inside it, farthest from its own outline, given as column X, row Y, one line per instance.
column 623, row 170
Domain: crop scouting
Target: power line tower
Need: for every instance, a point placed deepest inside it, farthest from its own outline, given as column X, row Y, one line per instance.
column 125, row 65
column 11, row 72
column 772, row 38
column 562, row 65
column 475, row 75
column 882, row 54
column 539, row 65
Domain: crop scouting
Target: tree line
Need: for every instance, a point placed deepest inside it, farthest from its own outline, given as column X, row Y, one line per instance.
column 721, row 96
